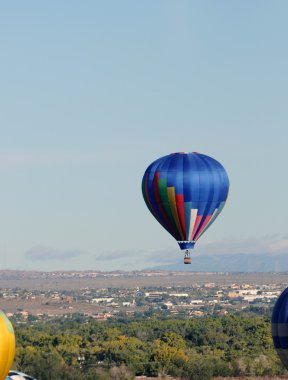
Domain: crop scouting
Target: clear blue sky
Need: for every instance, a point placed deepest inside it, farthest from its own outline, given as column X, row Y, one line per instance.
column 92, row 92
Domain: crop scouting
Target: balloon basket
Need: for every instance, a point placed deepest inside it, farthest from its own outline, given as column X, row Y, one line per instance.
column 187, row 258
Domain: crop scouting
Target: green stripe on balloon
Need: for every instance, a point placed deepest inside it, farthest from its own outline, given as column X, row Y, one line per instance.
column 162, row 186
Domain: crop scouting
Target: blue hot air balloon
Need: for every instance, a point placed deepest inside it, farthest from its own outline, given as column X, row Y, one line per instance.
column 185, row 192
column 279, row 327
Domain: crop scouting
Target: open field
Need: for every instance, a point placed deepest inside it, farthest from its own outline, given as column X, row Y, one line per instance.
column 77, row 280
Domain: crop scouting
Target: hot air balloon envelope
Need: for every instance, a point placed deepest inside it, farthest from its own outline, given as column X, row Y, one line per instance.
column 7, row 345
column 279, row 327
column 185, row 192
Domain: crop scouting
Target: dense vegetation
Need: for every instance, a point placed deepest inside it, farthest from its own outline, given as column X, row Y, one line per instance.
column 192, row 349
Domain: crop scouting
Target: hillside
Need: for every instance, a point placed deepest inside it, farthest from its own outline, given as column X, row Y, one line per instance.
column 232, row 263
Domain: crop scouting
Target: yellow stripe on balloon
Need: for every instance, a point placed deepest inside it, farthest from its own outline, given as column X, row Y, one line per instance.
column 7, row 345
column 173, row 208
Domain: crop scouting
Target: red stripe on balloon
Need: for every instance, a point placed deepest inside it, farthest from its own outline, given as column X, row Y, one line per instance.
column 196, row 225
column 206, row 221
column 180, row 211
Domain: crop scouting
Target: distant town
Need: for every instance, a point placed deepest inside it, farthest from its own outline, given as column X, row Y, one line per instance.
column 34, row 297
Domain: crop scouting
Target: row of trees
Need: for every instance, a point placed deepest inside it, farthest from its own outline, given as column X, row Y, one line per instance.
column 191, row 349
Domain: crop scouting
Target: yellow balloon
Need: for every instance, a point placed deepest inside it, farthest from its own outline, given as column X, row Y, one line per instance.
column 7, row 345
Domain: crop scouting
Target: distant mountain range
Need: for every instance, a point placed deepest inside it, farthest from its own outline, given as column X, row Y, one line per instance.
column 232, row 263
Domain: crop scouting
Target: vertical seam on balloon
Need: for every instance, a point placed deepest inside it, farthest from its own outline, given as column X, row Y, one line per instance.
column 170, row 209
column 193, row 217
column 206, row 224
column 158, row 198
column 186, row 205
column 217, row 211
column 181, row 213
column 197, row 202
column 173, row 208
column 187, row 209
column 163, row 192
column 204, row 215
column 158, row 217
column 180, row 203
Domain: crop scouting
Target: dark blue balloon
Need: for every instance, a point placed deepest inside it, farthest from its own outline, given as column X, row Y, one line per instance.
column 279, row 327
